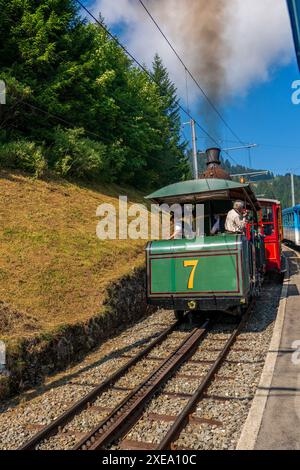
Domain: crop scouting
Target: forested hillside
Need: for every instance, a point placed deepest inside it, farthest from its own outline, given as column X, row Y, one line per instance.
column 231, row 168
column 280, row 187
column 77, row 106
column 277, row 187
column 273, row 187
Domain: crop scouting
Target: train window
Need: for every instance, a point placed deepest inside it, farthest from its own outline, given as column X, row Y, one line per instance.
column 267, row 220
column 267, row 214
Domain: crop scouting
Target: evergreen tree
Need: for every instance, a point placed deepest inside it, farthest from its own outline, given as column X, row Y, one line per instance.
column 280, row 188
column 116, row 124
column 174, row 162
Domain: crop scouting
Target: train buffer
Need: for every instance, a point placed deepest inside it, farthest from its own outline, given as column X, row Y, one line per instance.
column 274, row 419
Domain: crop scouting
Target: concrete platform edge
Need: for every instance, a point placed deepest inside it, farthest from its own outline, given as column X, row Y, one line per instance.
column 253, row 422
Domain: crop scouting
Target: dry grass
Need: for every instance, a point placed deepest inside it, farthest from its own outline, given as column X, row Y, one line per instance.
column 52, row 265
column 13, row 320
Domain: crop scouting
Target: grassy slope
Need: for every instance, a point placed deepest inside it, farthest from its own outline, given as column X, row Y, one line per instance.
column 52, row 265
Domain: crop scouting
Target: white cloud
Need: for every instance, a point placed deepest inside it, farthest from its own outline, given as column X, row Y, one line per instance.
column 257, row 36
column 260, row 39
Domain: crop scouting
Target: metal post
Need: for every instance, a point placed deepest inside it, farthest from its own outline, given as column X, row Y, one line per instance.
column 195, row 161
column 293, row 190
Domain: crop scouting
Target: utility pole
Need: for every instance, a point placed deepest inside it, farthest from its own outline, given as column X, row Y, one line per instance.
column 195, row 161
column 293, row 190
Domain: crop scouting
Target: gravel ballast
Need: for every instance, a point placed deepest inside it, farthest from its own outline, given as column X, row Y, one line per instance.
column 229, row 397
column 227, row 400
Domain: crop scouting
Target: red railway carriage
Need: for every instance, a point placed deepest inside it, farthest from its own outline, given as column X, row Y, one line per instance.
column 270, row 226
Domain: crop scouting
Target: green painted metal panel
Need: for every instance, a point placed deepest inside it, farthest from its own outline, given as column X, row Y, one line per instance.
column 245, row 275
column 205, row 267
column 213, row 274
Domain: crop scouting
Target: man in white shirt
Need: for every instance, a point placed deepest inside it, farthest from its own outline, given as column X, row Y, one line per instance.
column 236, row 220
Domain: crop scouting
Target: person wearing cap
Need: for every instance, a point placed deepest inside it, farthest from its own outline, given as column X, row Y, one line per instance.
column 236, row 219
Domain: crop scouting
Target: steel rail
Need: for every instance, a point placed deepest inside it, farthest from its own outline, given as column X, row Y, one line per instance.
column 55, row 426
column 127, row 413
column 182, row 419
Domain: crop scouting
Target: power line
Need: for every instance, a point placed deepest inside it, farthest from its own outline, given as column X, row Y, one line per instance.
column 59, row 118
column 142, row 67
column 114, row 38
column 37, row 108
column 117, row 101
column 266, row 145
column 190, row 74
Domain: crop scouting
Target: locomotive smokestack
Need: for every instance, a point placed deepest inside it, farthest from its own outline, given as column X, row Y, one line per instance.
column 213, row 156
column 214, row 169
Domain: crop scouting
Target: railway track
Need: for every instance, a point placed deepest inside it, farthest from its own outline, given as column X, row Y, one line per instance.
column 124, row 416
column 56, row 426
column 121, row 419
column 184, row 417
column 166, row 368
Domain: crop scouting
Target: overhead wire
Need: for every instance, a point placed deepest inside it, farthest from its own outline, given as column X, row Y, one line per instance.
column 208, row 99
column 142, row 67
column 113, row 37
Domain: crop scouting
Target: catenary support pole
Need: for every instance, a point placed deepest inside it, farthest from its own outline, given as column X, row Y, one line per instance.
column 195, row 161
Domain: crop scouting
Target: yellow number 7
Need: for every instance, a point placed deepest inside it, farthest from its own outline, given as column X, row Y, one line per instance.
column 191, row 264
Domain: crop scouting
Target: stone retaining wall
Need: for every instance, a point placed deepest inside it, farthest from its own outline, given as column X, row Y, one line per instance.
column 32, row 360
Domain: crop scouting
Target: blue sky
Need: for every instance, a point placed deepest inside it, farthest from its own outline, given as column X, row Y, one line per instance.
column 265, row 116
column 268, row 117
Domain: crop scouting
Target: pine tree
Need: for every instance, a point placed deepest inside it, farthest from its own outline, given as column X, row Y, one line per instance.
column 174, row 162
column 74, row 94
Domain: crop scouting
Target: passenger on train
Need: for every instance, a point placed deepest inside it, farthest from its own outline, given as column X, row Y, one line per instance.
column 182, row 229
column 236, row 219
column 216, row 228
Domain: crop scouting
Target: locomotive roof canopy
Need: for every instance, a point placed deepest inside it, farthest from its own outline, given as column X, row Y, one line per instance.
column 204, row 189
column 264, row 201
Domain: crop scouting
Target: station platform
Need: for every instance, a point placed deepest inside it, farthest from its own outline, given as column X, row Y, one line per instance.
column 274, row 419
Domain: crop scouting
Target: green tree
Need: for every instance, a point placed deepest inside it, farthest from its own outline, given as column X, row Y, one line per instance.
column 114, row 122
column 174, row 163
